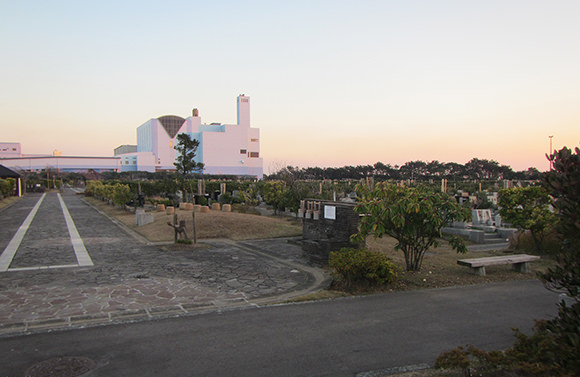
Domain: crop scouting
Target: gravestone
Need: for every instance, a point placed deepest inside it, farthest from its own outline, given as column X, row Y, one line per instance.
column 481, row 217
column 327, row 228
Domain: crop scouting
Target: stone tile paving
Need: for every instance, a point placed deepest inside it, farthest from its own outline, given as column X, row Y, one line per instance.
column 49, row 242
column 133, row 281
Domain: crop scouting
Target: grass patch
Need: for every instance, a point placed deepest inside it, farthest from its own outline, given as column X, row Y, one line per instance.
column 215, row 224
column 4, row 202
column 440, row 268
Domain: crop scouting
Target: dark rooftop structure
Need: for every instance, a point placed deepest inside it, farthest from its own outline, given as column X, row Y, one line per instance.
column 7, row 173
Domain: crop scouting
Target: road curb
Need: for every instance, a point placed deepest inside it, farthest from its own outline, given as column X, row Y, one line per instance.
column 394, row 370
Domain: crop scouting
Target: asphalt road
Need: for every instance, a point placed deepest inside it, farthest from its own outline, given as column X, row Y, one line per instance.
column 329, row 338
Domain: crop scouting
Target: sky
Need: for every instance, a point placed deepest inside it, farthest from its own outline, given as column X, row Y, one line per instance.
column 332, row 83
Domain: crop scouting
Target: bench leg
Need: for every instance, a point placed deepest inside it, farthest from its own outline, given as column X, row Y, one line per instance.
column 477, row 270
column 524, row 267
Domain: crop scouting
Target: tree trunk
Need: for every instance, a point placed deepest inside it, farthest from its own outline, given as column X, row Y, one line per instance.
column 538, row 241
column 413, row 259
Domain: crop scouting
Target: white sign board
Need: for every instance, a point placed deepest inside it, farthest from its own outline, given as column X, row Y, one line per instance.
column 330, row 212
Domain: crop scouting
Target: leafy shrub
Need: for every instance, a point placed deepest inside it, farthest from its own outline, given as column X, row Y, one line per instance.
column 226, row 198
column 166, row 202
column 243, row 208
column 6, row 187
column 543, row 353
column 121, row 194
column 524, row 242
column 201, row 200
column 361, row 266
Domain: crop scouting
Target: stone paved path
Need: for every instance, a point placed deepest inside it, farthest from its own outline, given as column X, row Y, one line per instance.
column 131, row 280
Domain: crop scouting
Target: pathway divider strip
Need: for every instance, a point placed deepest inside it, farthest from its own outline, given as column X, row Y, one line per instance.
column 43, row 267
column 81, row 253
column 10, row 250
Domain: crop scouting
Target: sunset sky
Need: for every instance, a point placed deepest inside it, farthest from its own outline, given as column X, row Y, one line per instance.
column 332, row 83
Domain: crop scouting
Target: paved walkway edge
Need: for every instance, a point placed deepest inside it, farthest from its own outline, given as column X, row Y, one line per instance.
column 124, row 227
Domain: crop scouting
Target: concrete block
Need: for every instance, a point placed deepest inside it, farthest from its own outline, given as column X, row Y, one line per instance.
column 204, row 209
column 170, row 210
column 215, row 207
column 142, row 218
column 227, row 208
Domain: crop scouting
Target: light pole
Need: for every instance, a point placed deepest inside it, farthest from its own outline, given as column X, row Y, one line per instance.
column 550, row 152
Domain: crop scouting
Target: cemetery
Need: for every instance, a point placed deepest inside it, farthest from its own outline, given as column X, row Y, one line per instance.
column 319, row 214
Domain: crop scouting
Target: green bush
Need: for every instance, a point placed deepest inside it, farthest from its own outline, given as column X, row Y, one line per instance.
column 362, row 267
column 243, row 208
column 201, row 200
column 525, row 243
column 121, row 194
column 226, row 198
column 6, row 187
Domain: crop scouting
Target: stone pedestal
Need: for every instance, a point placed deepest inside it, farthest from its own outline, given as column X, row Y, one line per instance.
column 186, row 206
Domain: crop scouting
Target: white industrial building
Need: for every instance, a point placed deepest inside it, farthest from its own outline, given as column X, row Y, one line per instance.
column 12, row 157
column 224, row 149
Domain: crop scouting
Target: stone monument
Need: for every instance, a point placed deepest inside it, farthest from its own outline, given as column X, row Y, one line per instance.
column 327, row 226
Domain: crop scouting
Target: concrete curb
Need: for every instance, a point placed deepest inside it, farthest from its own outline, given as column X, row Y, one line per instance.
column 395, row 370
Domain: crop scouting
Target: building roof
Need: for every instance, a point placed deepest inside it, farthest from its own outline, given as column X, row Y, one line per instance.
column 7, row 173
column 171, row 123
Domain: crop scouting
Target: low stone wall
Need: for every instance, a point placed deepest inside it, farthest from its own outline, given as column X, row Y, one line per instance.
column 508, row 233
column 477, row 236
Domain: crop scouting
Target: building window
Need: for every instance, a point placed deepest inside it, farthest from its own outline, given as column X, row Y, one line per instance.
column 243, row 151
column 254, row 154
column 255, row 140
column 134, row 162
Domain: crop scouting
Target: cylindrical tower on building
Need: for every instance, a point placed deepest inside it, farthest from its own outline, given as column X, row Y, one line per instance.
column 243, row 110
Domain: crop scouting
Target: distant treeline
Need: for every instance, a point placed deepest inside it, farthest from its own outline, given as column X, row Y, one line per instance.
column 476, row 169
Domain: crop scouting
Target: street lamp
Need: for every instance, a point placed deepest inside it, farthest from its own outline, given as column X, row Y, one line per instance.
column 550, row 153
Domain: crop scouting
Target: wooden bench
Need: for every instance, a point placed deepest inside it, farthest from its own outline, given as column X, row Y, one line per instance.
column 519, row 262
